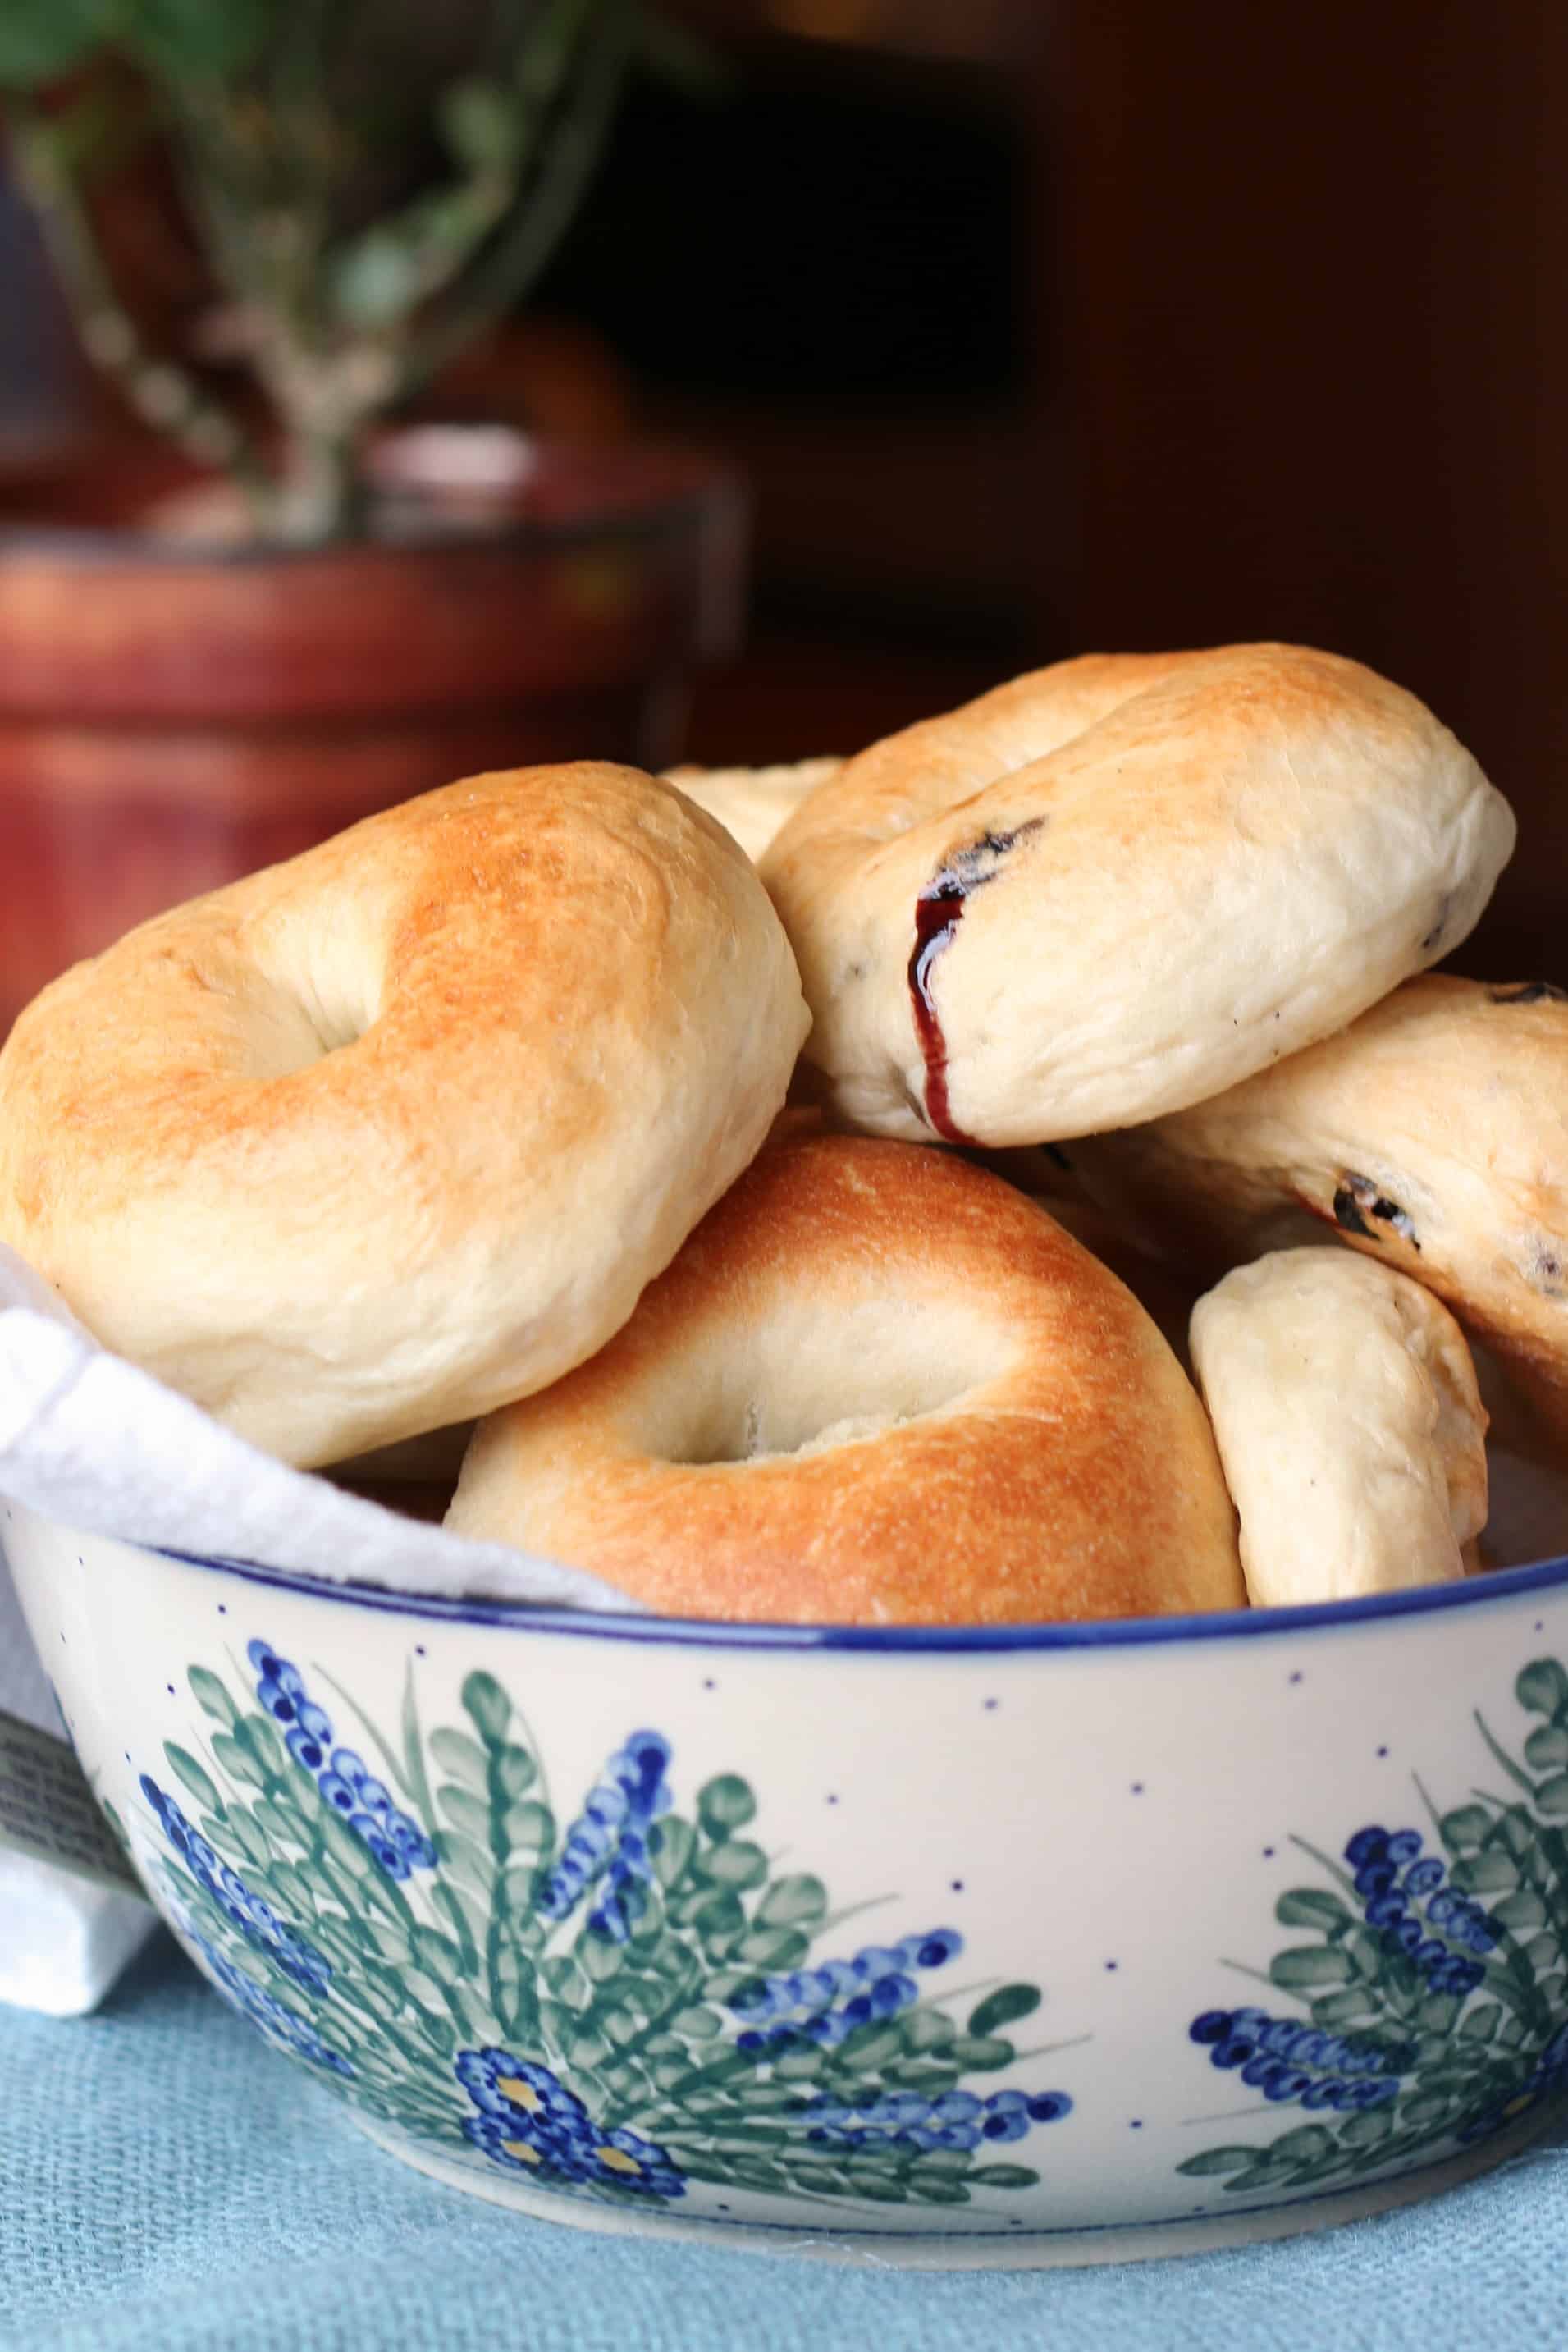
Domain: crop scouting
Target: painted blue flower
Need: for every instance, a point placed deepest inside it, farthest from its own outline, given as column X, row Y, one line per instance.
column 244, row 1908
column 612, row 1839
column 876, row 1980
column 528, row 2120
column 282, row 2026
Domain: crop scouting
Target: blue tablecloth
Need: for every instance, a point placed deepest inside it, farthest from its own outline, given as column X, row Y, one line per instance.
column 166, row 2183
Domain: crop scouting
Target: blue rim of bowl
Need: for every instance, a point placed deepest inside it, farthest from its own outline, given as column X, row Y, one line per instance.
column 1485, row 1587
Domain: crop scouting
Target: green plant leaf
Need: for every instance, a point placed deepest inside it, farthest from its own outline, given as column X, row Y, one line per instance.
column 516, row 1772
column 40, row 40
column 479, row 122
column 726, row 1804
column 1541, row 1687
column 1552, row 1796
column 488, row 1709
column 435, row 1953
column 1218, row 2160
column 1003, row 2007
column 925, row 2029
column 193, row 41
column 183, row 1763
column 1480, row 2024
column 1303, row 1967
column 1335, row 2011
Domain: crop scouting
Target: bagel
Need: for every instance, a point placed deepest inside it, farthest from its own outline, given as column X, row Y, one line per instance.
column 1120, row 885
column 1345, row 1409
column 1432, row 1134
column 876, row 1386
column 752, row 802
column 375, row 1141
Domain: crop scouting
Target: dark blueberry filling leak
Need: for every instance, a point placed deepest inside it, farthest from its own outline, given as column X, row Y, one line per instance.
column 1358, row 1198
column 1535, row 992
column 938, row 911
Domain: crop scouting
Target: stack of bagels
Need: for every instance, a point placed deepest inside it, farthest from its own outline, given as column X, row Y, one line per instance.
column 785, row 1193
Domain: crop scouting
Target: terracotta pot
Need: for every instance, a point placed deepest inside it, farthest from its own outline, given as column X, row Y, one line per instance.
column 174, row 713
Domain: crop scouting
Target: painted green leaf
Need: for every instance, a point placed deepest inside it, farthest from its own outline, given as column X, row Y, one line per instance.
column 346, row 1848
column 210, row 1693
column 1304, row 2146
column 251, row 1836
column 1552, row 1795
column 183, row 1763
column 1310, row 1907
column 980, row 2051
column 925, row 2029
column 940, row 2192
column 435, row 1953
column 798, row 1901
column 1546, row 1749
column 726, row 1804
column 1367, row 2129
column 220, row 1834
column 516, row 1772
column 529, row 1828
column 1486, row 1874
column 1218, row 2160
column 672, row 1841
column 1542, row 1687
column 488, row 1709
column 801, row 2065
column 258, row 1735
column 738, row 1863
column 1522, row 1913
column 599, row 1958
column 467, row 1859
column 1003, row 2007
column 1463, row 1829
column 439, row 2032
column 237, row 1761
column 871, row 2046
column 1424, row 2110
column 463, row 1810
column 773, row 1948
column 1540, row 1952
column 1003, row 2176
column 1270, row 2174
column 1303, row 1967
column 1480, row 2024
column 462, row 1760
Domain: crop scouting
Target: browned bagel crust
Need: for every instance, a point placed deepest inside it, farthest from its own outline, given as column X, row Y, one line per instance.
column 1033, row 1449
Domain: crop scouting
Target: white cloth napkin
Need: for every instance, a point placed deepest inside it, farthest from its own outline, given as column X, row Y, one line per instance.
column 86, row 1439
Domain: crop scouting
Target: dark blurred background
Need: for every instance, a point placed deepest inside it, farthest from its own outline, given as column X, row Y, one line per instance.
column 1040, row 327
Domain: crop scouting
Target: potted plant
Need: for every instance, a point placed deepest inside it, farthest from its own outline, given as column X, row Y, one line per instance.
column 331, row 610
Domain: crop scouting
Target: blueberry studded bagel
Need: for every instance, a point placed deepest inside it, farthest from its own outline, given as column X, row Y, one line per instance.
column 1120, row 885
column 1431, row 1134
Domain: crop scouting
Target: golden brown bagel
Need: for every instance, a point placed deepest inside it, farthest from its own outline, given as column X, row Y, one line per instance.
column 876, row 1386
column 379, row 1138
column 752, row 802
column 1433, row 1134
column 1118, row 885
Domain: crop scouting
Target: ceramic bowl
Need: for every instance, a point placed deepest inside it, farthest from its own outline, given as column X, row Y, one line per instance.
column 950, row 1947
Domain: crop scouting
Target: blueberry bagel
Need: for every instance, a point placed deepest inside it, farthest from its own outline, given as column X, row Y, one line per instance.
column 1431, row 1134
column 1116, row 887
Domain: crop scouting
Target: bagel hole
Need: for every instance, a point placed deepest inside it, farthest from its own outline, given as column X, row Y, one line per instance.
column 803, row 1382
